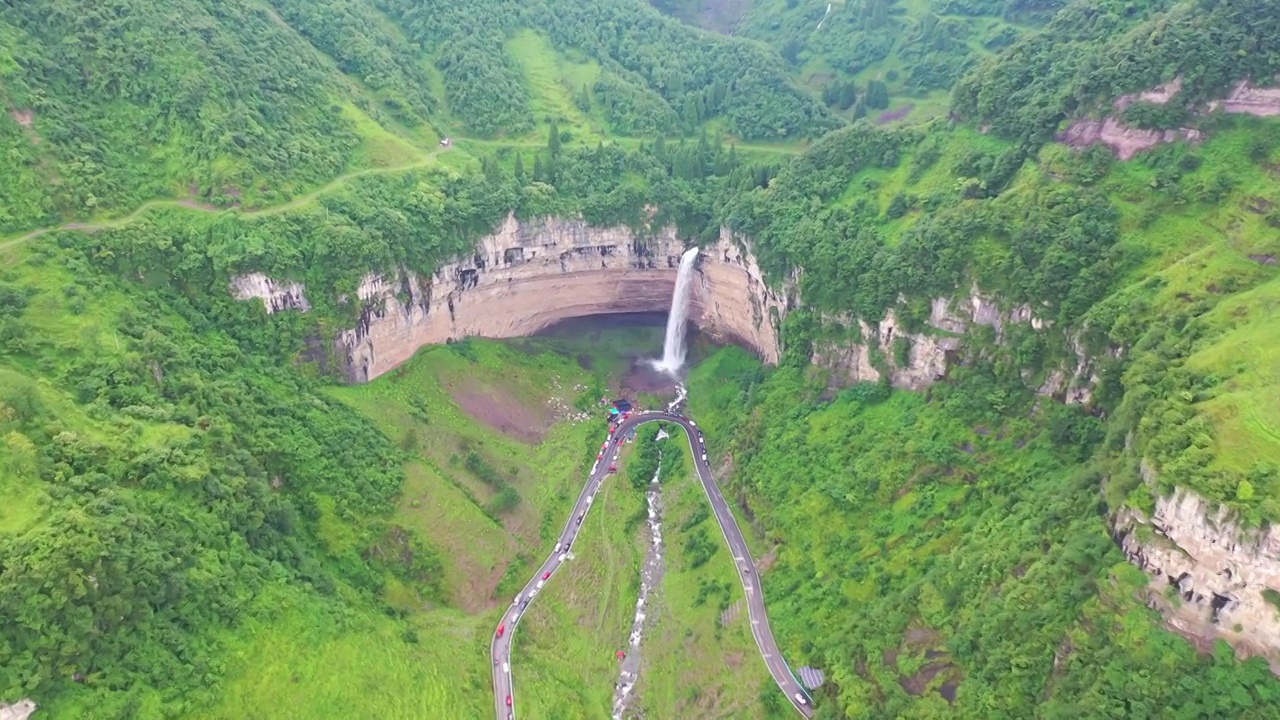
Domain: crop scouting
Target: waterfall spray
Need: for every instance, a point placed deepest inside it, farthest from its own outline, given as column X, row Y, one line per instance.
column 673, row 349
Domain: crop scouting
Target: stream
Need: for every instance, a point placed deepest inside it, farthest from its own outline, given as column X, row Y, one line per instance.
column 824, row 18
column 650, row 579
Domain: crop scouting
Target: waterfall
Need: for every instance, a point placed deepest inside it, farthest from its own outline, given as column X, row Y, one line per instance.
column 673, row 347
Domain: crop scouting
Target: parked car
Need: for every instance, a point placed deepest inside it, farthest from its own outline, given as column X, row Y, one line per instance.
column 546, row 575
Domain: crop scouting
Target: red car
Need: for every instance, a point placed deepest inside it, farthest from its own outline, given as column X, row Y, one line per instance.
column 599, row 455
column 501, row 629
column 546, row 575
column 508, row 701
column 612, row 429
column 613, row 469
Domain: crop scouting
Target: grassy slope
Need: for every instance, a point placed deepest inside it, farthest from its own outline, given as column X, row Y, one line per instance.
column 438, row 500
column 1200, row 250
column 564, row 651
column 1210, row 252
column 553, row 81
column 302, row 658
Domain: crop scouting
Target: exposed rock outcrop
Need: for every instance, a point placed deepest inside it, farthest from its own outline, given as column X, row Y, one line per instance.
column 275, row 295
column 20, row 710
column 1245, row 99
column 530, row 275
column 1124, row 140
column 1219, row 570
column 930, row 353
column 1127, row 141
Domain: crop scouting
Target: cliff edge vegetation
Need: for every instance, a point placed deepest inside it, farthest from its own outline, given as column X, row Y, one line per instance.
column 198, row 519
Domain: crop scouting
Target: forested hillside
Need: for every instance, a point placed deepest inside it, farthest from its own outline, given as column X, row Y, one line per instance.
column 195, row 522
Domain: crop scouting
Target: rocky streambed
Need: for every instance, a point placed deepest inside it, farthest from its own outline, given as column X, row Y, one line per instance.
column 650, row 580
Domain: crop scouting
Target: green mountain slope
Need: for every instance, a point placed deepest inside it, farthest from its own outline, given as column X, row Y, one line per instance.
column 195, row 520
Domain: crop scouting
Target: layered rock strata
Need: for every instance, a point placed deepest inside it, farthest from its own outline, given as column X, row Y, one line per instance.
column 1226, row 577
column 1127, row 141
column 530, row 275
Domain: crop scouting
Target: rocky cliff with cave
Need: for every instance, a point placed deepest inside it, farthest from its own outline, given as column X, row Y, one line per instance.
column 1211, row 577
column 531, row 274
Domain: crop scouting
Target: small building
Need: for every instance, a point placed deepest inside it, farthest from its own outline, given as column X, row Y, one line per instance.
column 446, row 142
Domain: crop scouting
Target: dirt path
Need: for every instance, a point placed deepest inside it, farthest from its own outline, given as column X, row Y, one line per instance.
column 190, row 204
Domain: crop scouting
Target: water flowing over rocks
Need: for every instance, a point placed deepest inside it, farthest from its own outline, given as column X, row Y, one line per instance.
column 531, row 274
column 650, row 579
column 1219, row 569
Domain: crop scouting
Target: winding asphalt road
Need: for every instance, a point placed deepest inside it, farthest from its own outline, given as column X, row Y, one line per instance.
column 500, row 648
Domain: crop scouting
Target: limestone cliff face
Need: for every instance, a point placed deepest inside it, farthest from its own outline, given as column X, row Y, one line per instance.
column 731, row 301
column 532, row 274
column 17, row 711
column 275, row 295
column 930, row 353
column 1219, row 569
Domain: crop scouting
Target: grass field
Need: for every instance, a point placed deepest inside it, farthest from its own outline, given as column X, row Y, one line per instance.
column 565, row 666
column 300, row 657
column 553, row 80
column 436, row 407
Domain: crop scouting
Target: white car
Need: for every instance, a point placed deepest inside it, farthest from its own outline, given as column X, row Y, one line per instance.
column 558, row 546
column 800, row 699
column 564, row 556
column 540, row 584
column 704, row 457
column 506, row 668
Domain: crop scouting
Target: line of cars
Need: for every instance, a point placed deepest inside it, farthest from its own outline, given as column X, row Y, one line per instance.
column 560, row 554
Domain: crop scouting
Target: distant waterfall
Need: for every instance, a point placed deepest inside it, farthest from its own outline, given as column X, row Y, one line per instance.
column 673, row 349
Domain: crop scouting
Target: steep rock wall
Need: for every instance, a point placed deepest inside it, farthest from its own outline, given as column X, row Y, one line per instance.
column 1219, row 569
column 530, row 275
column 930, row 353
column 275, row 295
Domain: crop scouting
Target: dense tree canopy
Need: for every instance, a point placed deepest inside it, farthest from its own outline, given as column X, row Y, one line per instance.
column 169, row 452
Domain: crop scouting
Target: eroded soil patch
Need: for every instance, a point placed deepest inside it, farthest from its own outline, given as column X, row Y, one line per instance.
column 500, row 410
